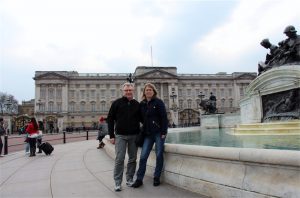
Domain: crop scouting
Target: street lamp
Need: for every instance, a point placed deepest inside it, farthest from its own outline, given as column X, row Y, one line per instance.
column 174, row 109
column 201, row 96
column 173, row 96
column 8, row 105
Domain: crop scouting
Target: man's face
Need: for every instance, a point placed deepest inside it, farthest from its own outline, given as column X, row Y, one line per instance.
column 128, row 92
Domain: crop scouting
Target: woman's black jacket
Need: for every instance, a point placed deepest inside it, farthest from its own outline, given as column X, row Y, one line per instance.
column 154, row 117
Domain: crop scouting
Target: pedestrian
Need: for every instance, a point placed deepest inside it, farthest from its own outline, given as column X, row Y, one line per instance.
column 40, row 136
column 102, row 132
column 123, row 126
column 2, row 133
column 155, row 127
column 32, row 130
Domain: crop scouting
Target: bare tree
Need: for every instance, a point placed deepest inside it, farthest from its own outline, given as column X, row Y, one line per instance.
column 8, row 103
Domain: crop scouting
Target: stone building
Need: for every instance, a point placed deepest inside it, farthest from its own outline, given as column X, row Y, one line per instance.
column 72, row 99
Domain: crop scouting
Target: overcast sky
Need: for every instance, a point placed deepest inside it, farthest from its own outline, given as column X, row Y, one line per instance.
column 115, row 36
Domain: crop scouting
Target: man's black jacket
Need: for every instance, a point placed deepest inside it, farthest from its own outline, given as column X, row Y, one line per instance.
column 124, row 117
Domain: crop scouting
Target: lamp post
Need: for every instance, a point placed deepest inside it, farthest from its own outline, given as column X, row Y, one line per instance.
column 8, row 105
column 174, row 109
column 201, row 96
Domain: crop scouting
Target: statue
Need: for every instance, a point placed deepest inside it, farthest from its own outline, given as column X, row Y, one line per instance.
column 130, row 79
column 264, row 66
column 210, row 105
column 287, row 51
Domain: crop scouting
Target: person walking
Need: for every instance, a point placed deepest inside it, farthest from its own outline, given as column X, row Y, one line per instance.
column 123, row 126
column 2, row 132
column 155, row 126
column 32, row 130
column 102, row 132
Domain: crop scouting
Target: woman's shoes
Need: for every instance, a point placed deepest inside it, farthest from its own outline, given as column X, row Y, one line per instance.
column 156, row 181
column 137, row 183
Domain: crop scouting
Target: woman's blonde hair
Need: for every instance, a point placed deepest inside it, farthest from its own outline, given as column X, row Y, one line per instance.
column 152, row 86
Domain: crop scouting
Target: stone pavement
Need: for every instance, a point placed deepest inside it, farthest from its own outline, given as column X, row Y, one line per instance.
column 73, row 170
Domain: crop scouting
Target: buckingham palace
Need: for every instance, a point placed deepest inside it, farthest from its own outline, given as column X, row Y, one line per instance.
column 71, row 99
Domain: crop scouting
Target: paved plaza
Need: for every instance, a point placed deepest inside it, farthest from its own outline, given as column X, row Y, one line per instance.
column 73, row 170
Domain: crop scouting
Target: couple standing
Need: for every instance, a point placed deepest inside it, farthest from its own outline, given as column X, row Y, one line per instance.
column 124, row 119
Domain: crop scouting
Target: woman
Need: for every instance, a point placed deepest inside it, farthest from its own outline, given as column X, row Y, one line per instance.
column 155, row 126
column 32, row 130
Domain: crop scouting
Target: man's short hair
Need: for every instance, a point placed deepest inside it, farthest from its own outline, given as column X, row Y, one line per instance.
column 127, row 84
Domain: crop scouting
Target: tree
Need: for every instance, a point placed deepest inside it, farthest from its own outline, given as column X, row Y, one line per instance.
column 8, row 103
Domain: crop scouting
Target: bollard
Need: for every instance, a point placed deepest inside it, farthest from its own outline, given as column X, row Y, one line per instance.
column 87, row 135
column 64, row 137
column 5, row 144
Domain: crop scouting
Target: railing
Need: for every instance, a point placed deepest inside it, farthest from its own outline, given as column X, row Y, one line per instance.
column 15, row 141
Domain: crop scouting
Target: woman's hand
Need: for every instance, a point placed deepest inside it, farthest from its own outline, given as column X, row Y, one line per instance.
column 112, row 140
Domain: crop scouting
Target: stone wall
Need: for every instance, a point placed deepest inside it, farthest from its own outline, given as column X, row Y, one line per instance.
column 229, row 172
column 213, row 121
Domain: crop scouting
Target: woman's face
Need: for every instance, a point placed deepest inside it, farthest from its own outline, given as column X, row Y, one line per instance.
column 149, row 92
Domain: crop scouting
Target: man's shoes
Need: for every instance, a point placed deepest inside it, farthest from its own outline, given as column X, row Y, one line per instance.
column 118, row 188
column 137, row 183
column 156, row 181
column 129, row 182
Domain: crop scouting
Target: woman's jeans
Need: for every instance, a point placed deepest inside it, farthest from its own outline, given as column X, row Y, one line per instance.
column 146, row 149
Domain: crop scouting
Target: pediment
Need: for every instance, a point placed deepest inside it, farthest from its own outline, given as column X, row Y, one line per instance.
column 157, row 73
column 246, row 76
column 50, row 76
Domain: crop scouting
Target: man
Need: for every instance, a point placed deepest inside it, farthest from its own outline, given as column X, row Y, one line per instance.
column 123, row 126
column 2, row 132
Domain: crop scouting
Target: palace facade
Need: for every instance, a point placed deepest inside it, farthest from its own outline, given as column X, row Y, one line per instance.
column 71, row 99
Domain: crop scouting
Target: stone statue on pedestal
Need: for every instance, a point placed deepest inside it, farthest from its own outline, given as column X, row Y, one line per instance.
column 286, row 53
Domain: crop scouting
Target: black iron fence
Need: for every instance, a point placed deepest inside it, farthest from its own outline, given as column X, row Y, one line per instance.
column 64, row 137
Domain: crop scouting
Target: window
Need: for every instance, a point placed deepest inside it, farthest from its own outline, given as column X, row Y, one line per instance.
column 72, row 94
column 82, row 94
column 181, row 104
column 59, row 94
column 230, row 92
column 231, row 103
column 43, row 93
column 112, row 93
column 241, row 91
column 72, row 107
column 189, row 104
column 102, row 106
column 51, row 93
column 222, row 93
column 82, row 106
column 58, row 107
column 93, row 94
column 189, row 92
column 93, row 106
column 102, row 93
column 50, row 107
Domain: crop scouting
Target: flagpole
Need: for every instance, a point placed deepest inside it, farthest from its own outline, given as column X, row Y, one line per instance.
column 151, row 57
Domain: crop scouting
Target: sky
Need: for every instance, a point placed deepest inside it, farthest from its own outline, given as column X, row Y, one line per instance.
column 116, row 36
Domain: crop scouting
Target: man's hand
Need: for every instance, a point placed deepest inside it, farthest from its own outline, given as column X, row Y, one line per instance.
column 163, row 136
column 112, row 140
